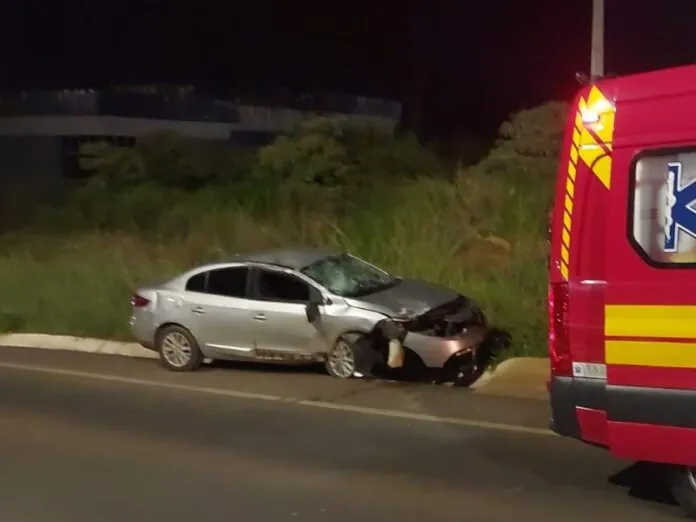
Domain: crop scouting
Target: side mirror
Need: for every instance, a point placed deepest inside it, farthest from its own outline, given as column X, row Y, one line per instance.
column 312, row 309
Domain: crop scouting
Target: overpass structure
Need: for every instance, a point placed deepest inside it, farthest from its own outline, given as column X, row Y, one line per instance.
column 41, row 131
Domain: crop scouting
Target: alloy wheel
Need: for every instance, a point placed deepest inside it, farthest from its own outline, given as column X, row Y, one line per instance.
column 342, row 360
column 176, row 349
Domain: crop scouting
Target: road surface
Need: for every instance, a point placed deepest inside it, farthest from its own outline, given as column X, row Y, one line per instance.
column 85, row 438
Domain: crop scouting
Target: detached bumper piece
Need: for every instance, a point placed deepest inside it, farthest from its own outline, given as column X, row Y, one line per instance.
column 496, row 340
column 466, row 366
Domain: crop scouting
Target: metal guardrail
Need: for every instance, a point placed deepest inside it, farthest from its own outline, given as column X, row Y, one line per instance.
column 183, row 104
column 338, row 103
column 185, row 107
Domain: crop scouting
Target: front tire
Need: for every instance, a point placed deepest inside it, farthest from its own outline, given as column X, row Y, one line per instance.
column 683, row 486
column 341, row 361
column 178, row 349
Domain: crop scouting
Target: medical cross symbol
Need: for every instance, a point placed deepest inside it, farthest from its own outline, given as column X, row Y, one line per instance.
column 679, row 214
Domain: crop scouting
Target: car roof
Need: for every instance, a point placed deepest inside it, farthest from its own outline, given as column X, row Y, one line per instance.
column 293, row 258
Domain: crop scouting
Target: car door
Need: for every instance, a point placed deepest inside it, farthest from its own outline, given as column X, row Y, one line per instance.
column 219, row 313
column 278, row 301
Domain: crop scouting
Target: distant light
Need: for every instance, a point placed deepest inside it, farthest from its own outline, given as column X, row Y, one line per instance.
column 593, row 114
column 589, row 116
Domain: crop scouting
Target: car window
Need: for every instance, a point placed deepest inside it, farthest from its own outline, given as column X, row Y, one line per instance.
column 196, row 283
column 277, row 286
column 228, row 282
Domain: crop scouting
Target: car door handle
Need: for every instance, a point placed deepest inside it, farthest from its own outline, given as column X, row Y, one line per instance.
column 260, row 317
column 199, row 310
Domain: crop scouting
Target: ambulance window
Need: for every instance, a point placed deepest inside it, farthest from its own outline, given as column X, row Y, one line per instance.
column 663, row 220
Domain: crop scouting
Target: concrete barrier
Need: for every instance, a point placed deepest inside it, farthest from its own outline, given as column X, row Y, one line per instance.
column 522, row 377
column 76, row 344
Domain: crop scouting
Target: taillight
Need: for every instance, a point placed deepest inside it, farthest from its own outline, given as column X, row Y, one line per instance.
column 138, row 301
column 559, row 342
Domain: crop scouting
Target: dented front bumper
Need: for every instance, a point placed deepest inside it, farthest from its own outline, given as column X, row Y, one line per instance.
column 455, row 341
column 438, row 352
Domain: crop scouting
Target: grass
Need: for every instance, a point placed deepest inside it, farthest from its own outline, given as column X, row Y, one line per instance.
column 474, row 234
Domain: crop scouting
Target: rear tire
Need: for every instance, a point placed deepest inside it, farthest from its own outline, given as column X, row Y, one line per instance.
column 683, row 486
column 178, row 349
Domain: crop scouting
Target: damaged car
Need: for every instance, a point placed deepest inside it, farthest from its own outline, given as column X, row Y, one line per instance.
column 300, row 306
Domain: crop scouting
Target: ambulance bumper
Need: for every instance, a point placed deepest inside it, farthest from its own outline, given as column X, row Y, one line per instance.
column 564, row 420
column 567, row 395
column 645, row 423
column 629, row 404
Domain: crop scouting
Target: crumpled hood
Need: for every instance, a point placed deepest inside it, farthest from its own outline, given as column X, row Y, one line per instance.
column 416, row 296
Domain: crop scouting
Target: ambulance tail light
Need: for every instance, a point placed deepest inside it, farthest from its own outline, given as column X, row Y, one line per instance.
column 559, row 340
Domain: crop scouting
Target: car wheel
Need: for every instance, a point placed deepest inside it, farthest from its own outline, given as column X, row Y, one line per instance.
column 341, row 361
column 178, row 350
column 461, row 371
column 683, row 486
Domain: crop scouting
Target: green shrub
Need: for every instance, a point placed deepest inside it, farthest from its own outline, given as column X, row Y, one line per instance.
column 168, row 160
column 330, row 152
column 528, row 146
column 154, row 210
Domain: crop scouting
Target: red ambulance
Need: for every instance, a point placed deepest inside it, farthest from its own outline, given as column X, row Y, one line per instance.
column 622, row 273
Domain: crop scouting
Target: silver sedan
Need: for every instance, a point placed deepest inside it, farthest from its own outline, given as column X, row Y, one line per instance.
column 299, row 306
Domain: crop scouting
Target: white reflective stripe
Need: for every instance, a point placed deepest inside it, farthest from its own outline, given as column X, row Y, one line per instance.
column 590, row 370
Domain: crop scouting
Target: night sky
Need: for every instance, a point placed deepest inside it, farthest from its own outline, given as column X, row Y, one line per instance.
column 464, row 64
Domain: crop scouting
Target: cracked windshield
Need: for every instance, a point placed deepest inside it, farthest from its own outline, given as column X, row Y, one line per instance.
column 348, row 276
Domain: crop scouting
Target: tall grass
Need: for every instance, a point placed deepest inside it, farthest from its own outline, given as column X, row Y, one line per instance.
column 480, row 235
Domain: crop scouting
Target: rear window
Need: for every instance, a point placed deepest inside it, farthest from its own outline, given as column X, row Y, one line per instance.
column 228, row 282
column 662, row 213
column 196, row 283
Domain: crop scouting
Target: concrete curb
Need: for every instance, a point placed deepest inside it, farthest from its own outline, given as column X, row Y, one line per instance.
column 76, row 344
column 522, row 377
column 506, row 366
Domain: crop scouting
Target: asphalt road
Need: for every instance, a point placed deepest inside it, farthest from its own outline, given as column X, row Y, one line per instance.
column 85, row 438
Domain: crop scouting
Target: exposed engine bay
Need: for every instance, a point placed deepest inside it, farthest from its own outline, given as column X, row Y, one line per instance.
column 464, row 338
column 447, row 320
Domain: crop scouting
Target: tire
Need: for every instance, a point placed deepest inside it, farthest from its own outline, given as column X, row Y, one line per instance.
column 460, row 372
column 466, row 378
column 683, row 486
column 178, row 349
column 414, row 369
column 344, row 349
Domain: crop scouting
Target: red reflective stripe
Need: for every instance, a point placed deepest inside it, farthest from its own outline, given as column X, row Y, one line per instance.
column 652, row 443
column 634, row 294
column 652, row 377
column 641, row 339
